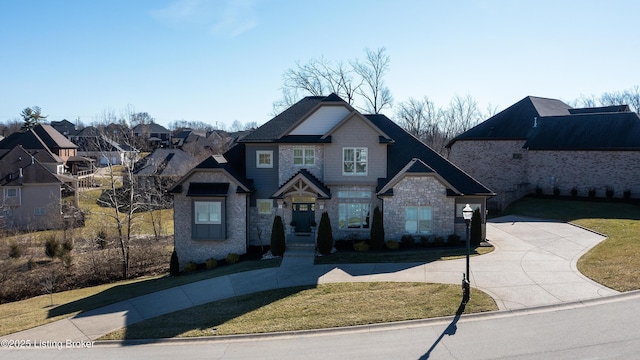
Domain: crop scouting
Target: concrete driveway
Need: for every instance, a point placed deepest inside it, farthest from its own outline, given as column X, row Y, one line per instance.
column 534, row 264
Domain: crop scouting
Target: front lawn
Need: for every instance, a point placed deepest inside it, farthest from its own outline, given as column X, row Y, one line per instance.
column 310, row 307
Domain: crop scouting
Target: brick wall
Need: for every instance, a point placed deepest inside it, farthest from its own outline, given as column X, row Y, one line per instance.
column 418, row 191
column 512, row 172
column 201, row 250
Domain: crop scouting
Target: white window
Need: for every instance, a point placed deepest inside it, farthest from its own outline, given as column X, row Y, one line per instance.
column 264, row 158
column 353, row 216
column 264, row 206
column 39, row 211
column 12, row 192
column 354, row 161
column 303, row 156
column 418, row 220
column 208, row 212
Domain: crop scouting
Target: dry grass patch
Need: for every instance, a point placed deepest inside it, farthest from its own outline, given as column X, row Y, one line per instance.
column 303, row 308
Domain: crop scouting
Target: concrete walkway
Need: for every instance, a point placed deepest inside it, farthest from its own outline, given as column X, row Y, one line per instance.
column 534, row 264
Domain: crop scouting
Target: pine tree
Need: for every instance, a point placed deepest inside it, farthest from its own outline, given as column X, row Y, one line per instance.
column 277, row 237
column 476, row 228
column 377, row 230
column 325, row 237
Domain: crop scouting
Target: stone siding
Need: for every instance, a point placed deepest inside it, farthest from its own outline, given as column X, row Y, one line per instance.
column 288, row 169
column 201, row 250
column 418, row 191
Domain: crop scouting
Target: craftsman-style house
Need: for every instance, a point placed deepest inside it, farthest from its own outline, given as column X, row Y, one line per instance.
column 319, row 155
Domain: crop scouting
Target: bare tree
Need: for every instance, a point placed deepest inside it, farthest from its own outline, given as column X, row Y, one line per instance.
column 629, row 97
column 359, row 83
column 375, row 93
column 120, row 197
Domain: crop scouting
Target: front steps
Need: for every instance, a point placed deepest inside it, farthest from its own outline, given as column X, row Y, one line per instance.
column 301, row 249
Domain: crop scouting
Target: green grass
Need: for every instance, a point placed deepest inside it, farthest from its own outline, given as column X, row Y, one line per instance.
column 401, row 256
column 614, row 262
column 310, row 307
column 25, row 314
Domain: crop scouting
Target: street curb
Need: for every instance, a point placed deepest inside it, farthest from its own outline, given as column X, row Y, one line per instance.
column 376, row 327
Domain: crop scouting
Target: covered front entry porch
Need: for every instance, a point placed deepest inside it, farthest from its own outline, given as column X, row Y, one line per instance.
column 302, row 198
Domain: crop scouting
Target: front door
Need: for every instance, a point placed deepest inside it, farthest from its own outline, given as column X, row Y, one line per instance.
column 303, row 216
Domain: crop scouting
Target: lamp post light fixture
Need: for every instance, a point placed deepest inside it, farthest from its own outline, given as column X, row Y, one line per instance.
column 467, row 213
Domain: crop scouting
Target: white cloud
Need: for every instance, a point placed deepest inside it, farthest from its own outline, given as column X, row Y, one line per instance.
column 219, row 17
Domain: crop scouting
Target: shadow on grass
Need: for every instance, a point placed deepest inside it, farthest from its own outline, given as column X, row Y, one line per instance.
column 234, row 295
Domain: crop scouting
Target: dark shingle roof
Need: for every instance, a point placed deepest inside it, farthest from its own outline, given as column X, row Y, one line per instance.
column 273, row 129
column 590, row 131
column 33, row 172
column 165, row 162
column 548, row 124
column 514, row 122
column 52, row 138
column 406, row 147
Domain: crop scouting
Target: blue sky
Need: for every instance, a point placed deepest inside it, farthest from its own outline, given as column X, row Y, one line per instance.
column 223, row 60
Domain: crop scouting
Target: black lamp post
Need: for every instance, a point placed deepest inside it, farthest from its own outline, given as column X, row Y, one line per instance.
column 467, row 213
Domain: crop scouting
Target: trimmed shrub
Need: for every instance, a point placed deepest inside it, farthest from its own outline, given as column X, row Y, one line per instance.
column 233, row 258
column 277, row 237
column 476, row 228
column 361, row 246
column 609, row 192
column 556, row 191
column 538, row 190
column 592, row 192
column 392, row 245
column 407, row 241
column 325, row 236
column 377, row 230
column 574, row 191
column 438, row 241
column 190, row 267
column 174, row 264
column 627, row 194
column 211, row 263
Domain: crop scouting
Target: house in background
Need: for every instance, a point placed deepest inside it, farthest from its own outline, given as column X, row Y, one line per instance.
column 35, row 146
column 30, row 192
column 153, row 135
column 320, row 155
column 541, row 144
column 93, row 143
column 65, row 127
column 160, row 170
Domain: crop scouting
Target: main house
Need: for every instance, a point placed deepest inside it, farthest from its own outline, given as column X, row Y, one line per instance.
column 319, row 155
column 541, row 144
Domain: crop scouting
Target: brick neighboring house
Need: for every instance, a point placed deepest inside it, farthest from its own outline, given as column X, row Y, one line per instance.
column 319, row 155
column 154, row 135
column 160, row 170
column 30, row 194
column 545, row 144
